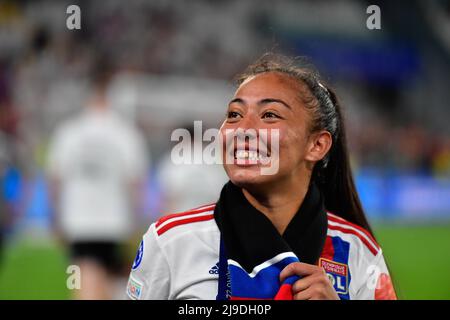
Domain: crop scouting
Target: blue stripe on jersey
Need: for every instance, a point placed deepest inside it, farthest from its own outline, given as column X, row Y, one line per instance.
column 341, row 255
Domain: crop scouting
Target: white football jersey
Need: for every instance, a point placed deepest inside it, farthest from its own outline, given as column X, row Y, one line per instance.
column 179, row 254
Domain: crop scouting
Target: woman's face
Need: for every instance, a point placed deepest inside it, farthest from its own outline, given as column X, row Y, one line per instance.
column 266, row 101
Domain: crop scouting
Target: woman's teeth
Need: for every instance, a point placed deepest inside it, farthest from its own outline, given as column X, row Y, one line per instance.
column 249, row 155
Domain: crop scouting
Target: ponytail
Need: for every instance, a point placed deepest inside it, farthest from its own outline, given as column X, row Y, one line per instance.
column 335, row 179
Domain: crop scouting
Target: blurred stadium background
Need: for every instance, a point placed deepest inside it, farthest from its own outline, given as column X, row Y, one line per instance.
column 173, row 62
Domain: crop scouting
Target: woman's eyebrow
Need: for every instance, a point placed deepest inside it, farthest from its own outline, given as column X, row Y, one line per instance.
column 262, row 102
column 237, row 100
column 272, row 100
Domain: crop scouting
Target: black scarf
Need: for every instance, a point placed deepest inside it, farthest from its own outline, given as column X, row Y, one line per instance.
column 251, row 239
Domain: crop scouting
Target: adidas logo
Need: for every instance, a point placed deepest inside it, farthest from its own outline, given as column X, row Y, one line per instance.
column 214, row 269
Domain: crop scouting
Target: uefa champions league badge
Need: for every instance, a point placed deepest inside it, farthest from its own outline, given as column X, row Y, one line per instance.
column 140, row 253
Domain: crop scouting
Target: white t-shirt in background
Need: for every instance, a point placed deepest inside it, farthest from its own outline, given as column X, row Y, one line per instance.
column 95, row 157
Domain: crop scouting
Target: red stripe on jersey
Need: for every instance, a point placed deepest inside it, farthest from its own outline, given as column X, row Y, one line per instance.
column 204, row 206
column 244, row 298
column 340, row 220
column 372, row 249
column 328, row 249
column 184, row 221
column 176, row 215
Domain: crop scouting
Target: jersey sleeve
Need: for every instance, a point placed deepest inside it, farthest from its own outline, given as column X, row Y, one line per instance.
column 376, row 284
column 150, row 274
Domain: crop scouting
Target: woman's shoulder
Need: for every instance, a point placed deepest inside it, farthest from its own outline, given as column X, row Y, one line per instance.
column 193, row 219
column 351, row 232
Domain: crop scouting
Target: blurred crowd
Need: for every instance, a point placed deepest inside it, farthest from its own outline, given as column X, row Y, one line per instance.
column 396, row 110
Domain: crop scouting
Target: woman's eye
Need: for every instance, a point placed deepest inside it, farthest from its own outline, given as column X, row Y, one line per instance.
column 270, row 115
column 232, row 114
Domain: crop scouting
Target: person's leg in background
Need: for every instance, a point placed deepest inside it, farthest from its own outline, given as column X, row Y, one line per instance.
column 98, row 262
column 95, row 281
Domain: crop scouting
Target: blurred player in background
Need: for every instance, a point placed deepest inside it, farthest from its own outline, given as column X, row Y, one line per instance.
column 96, row 163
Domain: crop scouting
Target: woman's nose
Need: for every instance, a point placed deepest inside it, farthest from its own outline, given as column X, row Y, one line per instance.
column 247, row 130
column 249, row 121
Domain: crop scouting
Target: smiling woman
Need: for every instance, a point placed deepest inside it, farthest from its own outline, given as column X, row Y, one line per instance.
column 272, row 236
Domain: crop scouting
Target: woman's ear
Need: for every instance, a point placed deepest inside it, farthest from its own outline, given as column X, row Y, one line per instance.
column 319, row 145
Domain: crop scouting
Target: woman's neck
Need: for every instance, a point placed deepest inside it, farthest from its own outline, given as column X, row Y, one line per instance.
column 280, row 204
